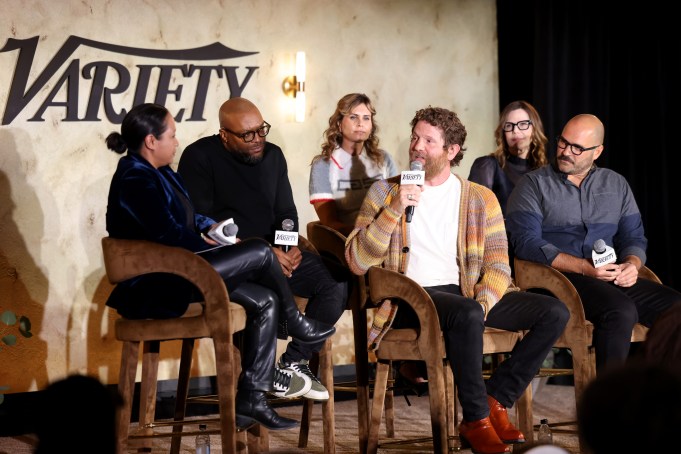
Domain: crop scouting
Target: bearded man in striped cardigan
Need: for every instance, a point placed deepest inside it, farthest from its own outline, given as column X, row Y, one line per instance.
column 456, row 248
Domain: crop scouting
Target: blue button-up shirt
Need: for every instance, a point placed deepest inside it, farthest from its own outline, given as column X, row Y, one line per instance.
column 548, row 214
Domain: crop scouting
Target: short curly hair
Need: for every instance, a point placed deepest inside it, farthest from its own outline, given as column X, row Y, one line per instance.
column 453, row 130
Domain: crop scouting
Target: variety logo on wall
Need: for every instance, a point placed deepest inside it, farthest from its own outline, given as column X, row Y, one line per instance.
column 106, row 87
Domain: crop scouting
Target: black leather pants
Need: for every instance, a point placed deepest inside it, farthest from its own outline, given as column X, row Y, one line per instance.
column 254, row 280
column 251, row 260
column 259, row 338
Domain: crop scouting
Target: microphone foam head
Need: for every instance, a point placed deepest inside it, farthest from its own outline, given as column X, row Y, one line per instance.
column 230, row 229
column 416, row 165
column 599, row 246
column 287, row 224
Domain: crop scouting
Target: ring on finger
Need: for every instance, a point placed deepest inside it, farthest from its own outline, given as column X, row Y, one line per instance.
column 410, row 197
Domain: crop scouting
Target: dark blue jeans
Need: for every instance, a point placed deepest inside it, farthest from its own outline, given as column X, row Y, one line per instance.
column 325, row 284
column 615, row 310
column 462, row 322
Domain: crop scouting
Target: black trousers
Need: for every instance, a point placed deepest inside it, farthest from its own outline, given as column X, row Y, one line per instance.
column 615, row 310
column 462, row 321
column 325, row 284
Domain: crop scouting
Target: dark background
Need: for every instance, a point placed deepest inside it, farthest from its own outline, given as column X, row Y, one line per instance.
column 621, row 64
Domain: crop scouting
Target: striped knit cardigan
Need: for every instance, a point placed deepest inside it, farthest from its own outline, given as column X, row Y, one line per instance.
column 381, row 237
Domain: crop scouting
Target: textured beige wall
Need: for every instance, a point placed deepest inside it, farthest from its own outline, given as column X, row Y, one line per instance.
column 54, row 175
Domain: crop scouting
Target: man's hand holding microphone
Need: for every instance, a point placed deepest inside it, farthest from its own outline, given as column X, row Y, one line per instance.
column 411, row 185
column 606, row 267
column 286, row 247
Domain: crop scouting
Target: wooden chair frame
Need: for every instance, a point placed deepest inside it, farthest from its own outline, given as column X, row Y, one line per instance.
column 578, row 333
column 426, row 344
column 217, row 318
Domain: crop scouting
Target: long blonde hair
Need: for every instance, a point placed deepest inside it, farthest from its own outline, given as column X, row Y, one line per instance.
column 333, row 137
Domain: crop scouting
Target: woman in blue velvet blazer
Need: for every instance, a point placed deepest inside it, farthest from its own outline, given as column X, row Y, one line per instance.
column 148, row 201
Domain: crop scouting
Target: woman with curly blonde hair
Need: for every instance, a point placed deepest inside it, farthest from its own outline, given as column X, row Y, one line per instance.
column 350, row 161
column 521, row 147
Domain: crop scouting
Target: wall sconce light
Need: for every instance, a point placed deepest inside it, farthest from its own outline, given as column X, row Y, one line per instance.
column 295, row 86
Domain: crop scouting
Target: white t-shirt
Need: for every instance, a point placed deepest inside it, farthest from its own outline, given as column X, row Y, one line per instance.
column 346, row 179
column 434, row 230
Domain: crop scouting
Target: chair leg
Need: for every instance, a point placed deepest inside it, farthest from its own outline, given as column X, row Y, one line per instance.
column 524, row 414
column 389, row 411
column 148, row 387
column 182, row 393
column 359, row 322
column 450, row 400
column 226, row 382
column 258, row 439
column 242, row 442
column 308, row 406
column 126, row 388
column 328, row 407
column 322, row 363
column 584, row 370
column 438, row 411
column 381, row 383
column 305, row 421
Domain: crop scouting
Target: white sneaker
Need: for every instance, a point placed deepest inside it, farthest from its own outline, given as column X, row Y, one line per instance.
column 301, row 369
column 289, row 385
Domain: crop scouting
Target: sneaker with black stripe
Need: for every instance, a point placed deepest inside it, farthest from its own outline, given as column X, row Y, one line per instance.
column 302, row 369
column 289, row 385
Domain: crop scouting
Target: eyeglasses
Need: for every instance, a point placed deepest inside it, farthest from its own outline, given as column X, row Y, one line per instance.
column 521, row 125
column 248, row 136
column 575, row 149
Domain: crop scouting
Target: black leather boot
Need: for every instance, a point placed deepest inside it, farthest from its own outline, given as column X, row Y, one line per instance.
column 293, row 323
column 259, row 344
column 253, row 406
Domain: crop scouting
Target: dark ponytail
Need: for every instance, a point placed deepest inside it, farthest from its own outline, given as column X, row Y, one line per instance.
column 141, row 121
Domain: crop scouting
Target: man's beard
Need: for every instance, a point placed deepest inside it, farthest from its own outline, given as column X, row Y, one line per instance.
column 435, row 165
column 247, row 158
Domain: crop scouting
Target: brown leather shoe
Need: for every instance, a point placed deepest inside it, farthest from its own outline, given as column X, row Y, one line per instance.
column 498, row 416
column 481, row 437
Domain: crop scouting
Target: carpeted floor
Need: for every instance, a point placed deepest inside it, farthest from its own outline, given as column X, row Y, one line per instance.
column 556, row 403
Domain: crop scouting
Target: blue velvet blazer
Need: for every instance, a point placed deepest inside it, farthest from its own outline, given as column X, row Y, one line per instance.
column 152, row 204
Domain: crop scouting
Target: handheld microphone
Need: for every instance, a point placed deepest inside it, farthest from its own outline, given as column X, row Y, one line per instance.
column 225, row 232
column 286, row 237
column 602, row 254
column 415, row 175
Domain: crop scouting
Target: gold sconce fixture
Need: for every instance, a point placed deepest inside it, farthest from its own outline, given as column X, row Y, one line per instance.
column 294, row 86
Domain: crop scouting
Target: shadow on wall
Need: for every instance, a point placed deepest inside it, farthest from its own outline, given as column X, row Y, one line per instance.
column 102, row 350
column 23, row 286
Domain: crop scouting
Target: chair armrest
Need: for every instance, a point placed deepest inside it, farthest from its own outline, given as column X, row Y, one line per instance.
column 331, row 244
column 327, row 241
column 386, row 284
column 530, row 275
column 305, row 245
column 647, row 273
column 125, row 259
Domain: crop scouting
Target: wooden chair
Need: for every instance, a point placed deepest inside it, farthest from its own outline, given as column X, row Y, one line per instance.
column 426, row 344
column 331, row 244
column 578, row 332
column 217, row 318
